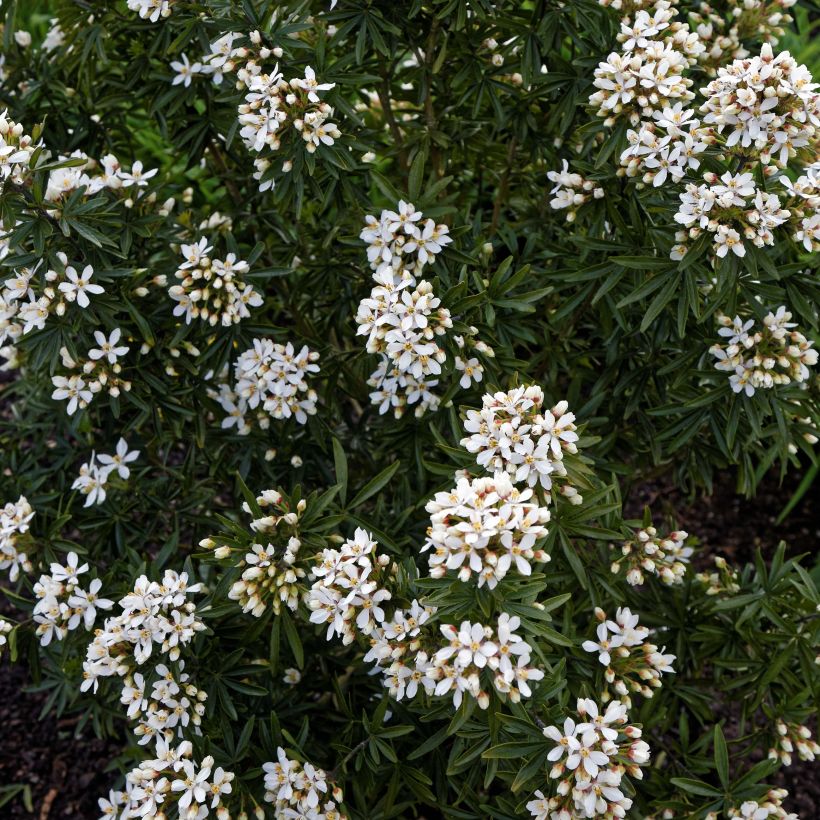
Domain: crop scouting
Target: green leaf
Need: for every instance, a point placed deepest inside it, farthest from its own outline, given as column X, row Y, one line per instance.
column 374, row 485
column 721, row 757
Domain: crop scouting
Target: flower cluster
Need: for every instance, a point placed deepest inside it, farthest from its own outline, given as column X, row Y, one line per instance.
column 273, row 103
column 212, row 290
column 668, row 146
column 771, row 806
column 411, row 659
column 300, row 790
column 791, row 737
column 590, row 759
column 764, row 106
column 762, row 359
column 665, row 557
column 172, row 704
column 472, row 648
column 485, row 527
column 396, row 649
column 152, row 10
column 101, row 370
column 154, row 616
column 647, row 75
column 270, row 379
column 172, row 779
column 16, row 150
column 571, row 191
column 639, row 670
column 272, row 576
column 733, row 209
column 348, row 595
column 14, row 525
column 805, row 206
column 27, row 299
column 107, row 174
column 348, row 592
column 92, row 481
column 402, row 318
column 62, row 604
column 724, row 580
column 513, row 434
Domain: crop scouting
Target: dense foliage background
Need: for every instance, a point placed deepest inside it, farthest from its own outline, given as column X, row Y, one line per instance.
column 460, row 107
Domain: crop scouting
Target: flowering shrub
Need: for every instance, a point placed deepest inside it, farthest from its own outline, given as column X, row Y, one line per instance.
column 240, row 242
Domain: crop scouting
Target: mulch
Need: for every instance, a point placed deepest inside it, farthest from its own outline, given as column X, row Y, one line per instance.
column 65, row 773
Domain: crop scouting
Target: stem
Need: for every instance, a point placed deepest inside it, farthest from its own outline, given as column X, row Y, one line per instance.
column 351, row 754
column 390, row 119
column 503, row 187
column 224, row 173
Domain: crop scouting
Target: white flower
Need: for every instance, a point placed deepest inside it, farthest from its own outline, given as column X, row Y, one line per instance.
column 72, row 388
column 119, row 461
column 604, row 644
column 79, row 286
column 185, row 71
column 108, row 348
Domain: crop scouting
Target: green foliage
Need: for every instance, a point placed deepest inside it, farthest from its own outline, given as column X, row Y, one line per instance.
column 594, row 311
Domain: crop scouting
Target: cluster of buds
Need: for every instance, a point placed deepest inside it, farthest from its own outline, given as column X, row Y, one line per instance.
column 665, row 557
column 271, row 105
column 272, row 576
column 62, row 604
column 769, row 807
column 485, row 527
column 301, row 790
column 791, row 737
column 94, row 376
column 514, row 434
column 571, row 191
column 590, row 759
column 723, row 581
column 632, row 664
column 763, row 359
column 766, row 107
column 349, row 590
column 723, row 34
column 155, row 615
column 647, row 75
column 172, row 784
column 733, row 209
column 212, row 290
column 14, row 537
column 16, row 151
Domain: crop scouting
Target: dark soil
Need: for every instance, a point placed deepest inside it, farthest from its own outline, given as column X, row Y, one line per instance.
column 66, row 773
